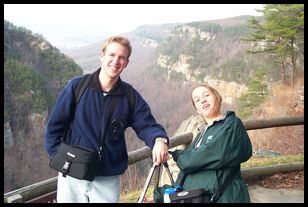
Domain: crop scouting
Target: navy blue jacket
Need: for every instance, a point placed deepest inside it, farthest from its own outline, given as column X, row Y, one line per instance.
column 90, row 117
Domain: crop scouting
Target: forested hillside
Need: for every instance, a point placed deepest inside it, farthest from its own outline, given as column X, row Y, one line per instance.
column 34, row 74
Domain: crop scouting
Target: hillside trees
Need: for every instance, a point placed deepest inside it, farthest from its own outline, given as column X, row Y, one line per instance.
column 257, row 92
column 280, row 35
column 30, row 91
column 34, row 74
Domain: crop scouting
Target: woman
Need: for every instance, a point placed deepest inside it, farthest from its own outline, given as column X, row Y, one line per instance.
column 218, row 150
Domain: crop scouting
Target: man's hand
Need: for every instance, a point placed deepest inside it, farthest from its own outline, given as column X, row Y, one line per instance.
column 160, row 152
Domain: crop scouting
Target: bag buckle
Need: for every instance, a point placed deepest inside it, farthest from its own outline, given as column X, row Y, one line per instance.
column 65, row 168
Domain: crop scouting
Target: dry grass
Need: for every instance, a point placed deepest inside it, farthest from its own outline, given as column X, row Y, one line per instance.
column 283, row 101
column 133, row 196
column 268, row 161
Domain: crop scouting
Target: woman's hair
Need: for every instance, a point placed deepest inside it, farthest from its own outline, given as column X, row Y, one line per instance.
column 120, row 40
column 214, row 92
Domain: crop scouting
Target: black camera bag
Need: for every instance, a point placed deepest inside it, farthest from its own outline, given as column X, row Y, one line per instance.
column 198, row 195
column 75, row 161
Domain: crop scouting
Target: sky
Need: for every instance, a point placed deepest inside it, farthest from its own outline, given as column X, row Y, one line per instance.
column 63, row 21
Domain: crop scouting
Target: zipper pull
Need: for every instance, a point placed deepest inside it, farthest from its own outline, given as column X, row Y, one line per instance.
column 100, row 153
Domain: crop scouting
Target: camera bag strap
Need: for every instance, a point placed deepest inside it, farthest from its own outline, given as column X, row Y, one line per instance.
column 78, row 92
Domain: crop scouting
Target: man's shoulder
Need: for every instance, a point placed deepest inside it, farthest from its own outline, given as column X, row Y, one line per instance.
column 75, row 79
column 129, row 89
column 127, row 85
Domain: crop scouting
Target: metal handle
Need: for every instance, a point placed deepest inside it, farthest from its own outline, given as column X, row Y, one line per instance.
column 147, row 183
column 169, row 173
column 149, row 178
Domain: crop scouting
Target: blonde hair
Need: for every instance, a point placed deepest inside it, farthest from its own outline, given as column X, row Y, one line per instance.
column 214, row 92
column 120, row 40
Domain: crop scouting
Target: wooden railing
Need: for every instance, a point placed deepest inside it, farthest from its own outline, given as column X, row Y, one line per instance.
column 45, row 191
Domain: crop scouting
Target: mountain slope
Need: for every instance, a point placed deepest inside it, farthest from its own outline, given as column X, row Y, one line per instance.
column 34, row 74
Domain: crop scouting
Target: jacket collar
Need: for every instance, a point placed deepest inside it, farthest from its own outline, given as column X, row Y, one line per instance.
column 203, row 127
column 117, row 89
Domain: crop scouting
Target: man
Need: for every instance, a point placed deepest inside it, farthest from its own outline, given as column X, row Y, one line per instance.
column 90, row 119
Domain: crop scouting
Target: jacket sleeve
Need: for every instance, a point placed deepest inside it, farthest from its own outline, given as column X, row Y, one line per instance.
column 59, row 119
column 229, row 148
column 144, row 123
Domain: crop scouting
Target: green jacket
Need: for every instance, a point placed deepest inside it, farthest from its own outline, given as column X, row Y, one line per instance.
column 224, row 146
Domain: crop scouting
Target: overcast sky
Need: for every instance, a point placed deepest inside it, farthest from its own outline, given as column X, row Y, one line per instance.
column 64, row 20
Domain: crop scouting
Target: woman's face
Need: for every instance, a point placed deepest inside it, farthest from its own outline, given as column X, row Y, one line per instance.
column 204, row 101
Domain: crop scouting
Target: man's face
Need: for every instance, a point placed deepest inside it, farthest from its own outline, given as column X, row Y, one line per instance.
column 114, row 60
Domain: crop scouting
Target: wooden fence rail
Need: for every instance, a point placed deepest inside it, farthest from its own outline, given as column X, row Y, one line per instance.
column 46, row 190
